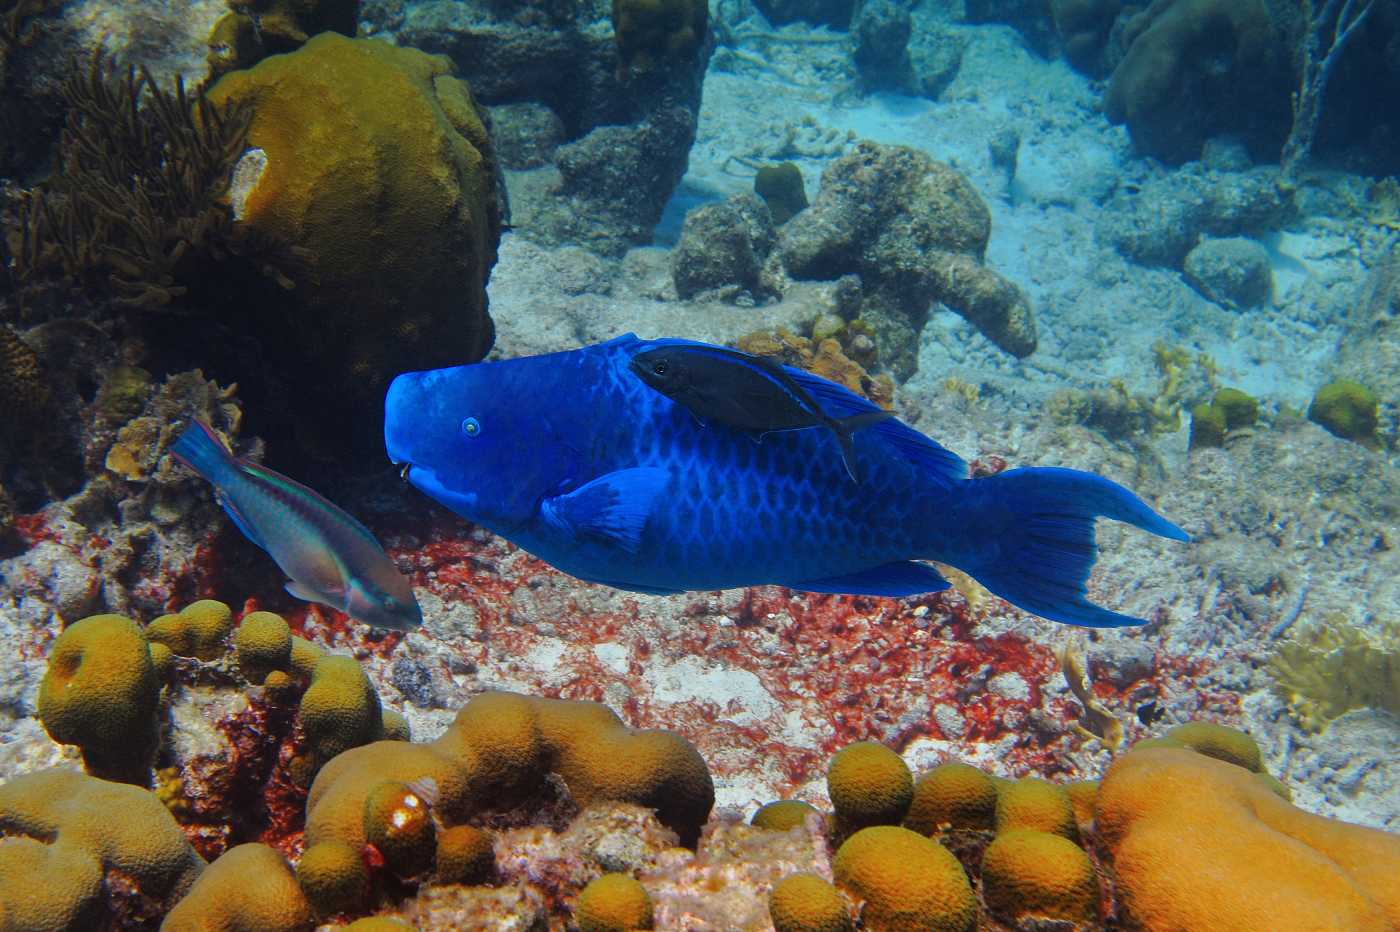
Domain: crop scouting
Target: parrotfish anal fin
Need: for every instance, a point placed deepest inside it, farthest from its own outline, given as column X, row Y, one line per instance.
column 892, row 579
column 614, row 507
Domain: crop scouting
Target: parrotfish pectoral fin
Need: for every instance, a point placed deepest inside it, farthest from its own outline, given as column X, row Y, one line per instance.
column 892, row 579
column 1048, row 549
column 614, row 506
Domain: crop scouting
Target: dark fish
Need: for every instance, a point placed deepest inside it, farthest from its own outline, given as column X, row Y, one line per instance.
column 646, row 499
column 328, row 556
column 745, row 392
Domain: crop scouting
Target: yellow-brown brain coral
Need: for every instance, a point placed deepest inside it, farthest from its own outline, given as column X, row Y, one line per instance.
column 333, row 877
column 263, row 643
column 1036, row 804
column 340, row 709
column 906, row 881
column 613, row 903
column 100, row 692
column 782, row 815
column 249, row 888
column 377, row 164
column 465, row 854
column 1200, row 844
column 197, row 630
column 952, row 795
column 806, row 903
column 1036, row 875
column 869, row 785
column 67, row 833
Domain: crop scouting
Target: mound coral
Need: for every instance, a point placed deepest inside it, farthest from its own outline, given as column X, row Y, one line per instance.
column 1348, row 410
column 1036, row 875
column 379, row 167
column 952, row 795
column 82, row 853
column 465, row 854
column 398, row 824
column 100, row 692
column 806, row 903
column 1196, row 68
column 250, row 888
column 262, row 643
column 1039, row 805
column 781, row 188
column 340, row 709
column 782, row 815
column 650, row 32
column 869, row 785
column 1230, row 409
column 613, row 903
column 1271, row 866
column 200, row 629
column 499, row 751
column 1218, row 741
column 906, row 881
column 333, row 877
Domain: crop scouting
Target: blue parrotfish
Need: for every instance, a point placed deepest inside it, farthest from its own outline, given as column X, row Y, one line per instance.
column 746, row 392
column 576, row 460
column 328, row 556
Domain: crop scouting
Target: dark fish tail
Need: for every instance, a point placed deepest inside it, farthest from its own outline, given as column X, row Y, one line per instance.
column 200, row 449
column 1039, row 546
column 844, row 427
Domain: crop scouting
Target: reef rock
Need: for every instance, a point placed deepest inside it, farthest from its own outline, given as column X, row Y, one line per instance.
column 915, row 231
column 1234, row 272
column 723, row 244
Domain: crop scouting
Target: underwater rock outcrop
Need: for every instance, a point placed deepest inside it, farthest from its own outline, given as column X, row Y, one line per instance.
column 915, row 231
column 723, row 245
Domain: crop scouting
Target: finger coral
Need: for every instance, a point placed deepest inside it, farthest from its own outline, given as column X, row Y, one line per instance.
column 80, row 853
column 806, row 903
column 869, row 785
column 101, row 692
column 1036, row 875
column 250, row 888
column 906, row 881
column 1162, row 810
column 952, row 795
column 197, row 630
column 613, row 903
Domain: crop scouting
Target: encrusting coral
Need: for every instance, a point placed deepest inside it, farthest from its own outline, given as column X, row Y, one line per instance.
column 906, row 881
column 1162, row 812
column 613, row 903
column 249, row 888
column 82, row 853
column 100, row 692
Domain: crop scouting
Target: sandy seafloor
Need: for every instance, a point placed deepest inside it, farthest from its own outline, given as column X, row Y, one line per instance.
column 1286, row 518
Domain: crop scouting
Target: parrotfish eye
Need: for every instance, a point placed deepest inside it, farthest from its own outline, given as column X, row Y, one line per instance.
column 661, row 368
column 471, row 426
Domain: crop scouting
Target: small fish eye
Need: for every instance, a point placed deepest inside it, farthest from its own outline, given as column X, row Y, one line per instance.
column 471, row 426
column 660, row 368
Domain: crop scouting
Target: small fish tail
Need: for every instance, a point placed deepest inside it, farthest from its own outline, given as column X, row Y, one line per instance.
column 1045, row 545
column 846, row 426
column 200, row 449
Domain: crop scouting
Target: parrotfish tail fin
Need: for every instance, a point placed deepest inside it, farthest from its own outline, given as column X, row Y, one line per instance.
column 200, row 449
column 1046, row 548
column 845, row 427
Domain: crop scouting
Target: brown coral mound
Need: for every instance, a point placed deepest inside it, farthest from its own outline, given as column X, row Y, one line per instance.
column 1200, row 844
